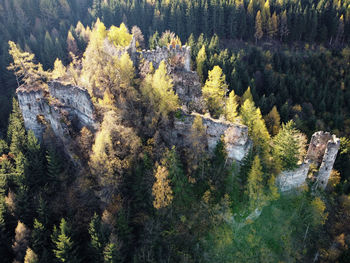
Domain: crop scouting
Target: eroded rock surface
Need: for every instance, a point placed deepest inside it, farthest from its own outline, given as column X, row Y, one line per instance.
column 60, row 107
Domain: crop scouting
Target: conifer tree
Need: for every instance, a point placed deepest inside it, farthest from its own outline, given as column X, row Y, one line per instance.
column 119, row 36
column 197, row 152
column 255, row 187
column 289, row 146
column 98, row 237
column 247, row 95
column 258, row 27
column 201, row 63
column 284, row 31
column 16, row 131
column 54, row 167
column 59, row 69
column 111, row 253
column 214, row 91
column 30, row 256
column 231, row 107
column 273, row 121
column 64, row 246
column 40, row 239
column 161, row 190
column 157, row 88
column 26, row 71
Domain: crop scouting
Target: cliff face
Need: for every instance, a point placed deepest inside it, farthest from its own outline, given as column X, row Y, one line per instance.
column 64, row 108
column 322, row 152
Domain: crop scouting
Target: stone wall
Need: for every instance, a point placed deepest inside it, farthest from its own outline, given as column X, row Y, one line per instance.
column 322, row 152
column 180, row 55
column 75, row 100
column 235, row 135
column 59, row 107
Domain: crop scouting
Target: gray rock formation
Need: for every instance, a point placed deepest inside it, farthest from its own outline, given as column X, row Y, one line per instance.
column 179, row 56
column 289, row 180
column 322, row 152
column 235, row 135
column 60, row 107
column 188, row 88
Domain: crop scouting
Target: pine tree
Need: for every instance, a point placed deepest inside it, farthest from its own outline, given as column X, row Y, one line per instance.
column 16, row 131
column 201, row 63
column 258, row 27
column 284, row 31
column 231, row 107
column 59, row 69
column 289, row 146
column 247, row 95
column 178, row 179
column 214, row 91
column 111, row 253
column 119, row 36
column 161, row 190
column 157, row 88
column 54, row 166
column 26, row 71
column 30, row 256
column 98, row 237
column 255, row 187
column 64, row 246
column 197, row 153
column 273, row 121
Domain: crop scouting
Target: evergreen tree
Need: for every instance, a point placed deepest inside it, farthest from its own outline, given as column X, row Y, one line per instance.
column 26, row 71
column 289, row 146
column 64, row 250
column 157, row 88
column 231, row 107
column 98, row 237
column 255, row 187
column 273, row 121
column 201, row 63
column 111, row 253
column 214, row 91
column 258, row 27
column 16, row 131
column 161, row 190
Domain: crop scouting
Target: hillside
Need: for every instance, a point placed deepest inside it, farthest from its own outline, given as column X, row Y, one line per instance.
column 174, row 131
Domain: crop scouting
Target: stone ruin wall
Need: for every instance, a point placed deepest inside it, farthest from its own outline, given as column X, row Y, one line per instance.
column 235, row 135
column 322, row 152
column 181, row 55
column 59, row 106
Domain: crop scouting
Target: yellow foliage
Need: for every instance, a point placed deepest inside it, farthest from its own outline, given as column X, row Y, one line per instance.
column 319, row 216
column 59, row 69
column 214, row 91
column 158, row 89
column 161, row 190
column 119, row 36
column 231, row 107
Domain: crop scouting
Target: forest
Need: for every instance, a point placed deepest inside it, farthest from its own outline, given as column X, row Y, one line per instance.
column 122, row 192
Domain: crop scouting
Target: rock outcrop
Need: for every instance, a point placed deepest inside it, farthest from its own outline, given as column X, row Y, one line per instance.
column 62, row 106
column 179, row 56
column 235, row 135
column 68, row 108
column 322, row 152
